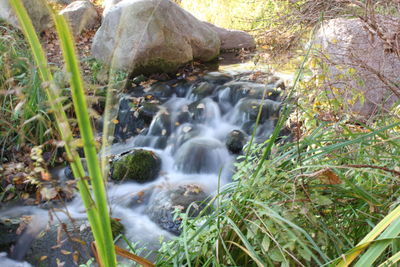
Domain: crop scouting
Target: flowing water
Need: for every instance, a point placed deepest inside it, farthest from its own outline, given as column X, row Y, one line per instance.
column 189, row 133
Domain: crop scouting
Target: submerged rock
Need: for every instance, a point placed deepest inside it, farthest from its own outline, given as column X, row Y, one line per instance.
column 152, row 36
column 8, row 235
column 160, row 91
column 139, row 165
column 201, row 155
column 164, row 202
column 235, row 141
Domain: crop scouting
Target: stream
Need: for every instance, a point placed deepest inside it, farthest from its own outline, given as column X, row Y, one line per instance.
column 194, row 128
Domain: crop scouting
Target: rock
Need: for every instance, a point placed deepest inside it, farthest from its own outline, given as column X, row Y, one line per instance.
column 201, row 90
column 236, row 90
column 152, row 36
column 147, row 111
column 201, row 155
column 8, row 235
column 249, row 108
column 81, row 15
column 37, row 10
column 235, row 141
column 128, row 122
column 160, row 91
column 354, row 57
column 139, row 165
column 75, row 240
column 164, row 202
column 184, row 133
column 218, row 78
column 204, row 111
column 61, row 2
column 233, row 39
column 161, row 124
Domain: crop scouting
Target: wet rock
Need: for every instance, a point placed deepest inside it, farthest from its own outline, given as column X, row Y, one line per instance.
column 202, row 90
column 160, row 91
column 161, row 124
column 232, row 92
column 164, row 202
column 81, row 15
column 201, row 155
column 147, row 111
column 75, row 242
column 159, row 43
column 128, row 122
column 218, row 78
column 184, row 133
column 37, row 11
column 204, row 111
column 8, row 235
column 247, row 109
column 139, row 165
column 235, row 141
column 182, row 88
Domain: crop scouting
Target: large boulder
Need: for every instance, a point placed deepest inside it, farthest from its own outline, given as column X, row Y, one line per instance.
column 358, row 65
column 233, row 39
column 150, row 36
column 81, row 15
column 37, row 10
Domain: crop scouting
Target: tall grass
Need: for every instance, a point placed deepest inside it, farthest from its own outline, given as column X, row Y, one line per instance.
column 96, row 208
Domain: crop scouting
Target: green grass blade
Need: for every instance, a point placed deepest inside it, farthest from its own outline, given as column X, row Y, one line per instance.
column 365, row 242
column 391, row 261
column 104, row 235
column 377, row 249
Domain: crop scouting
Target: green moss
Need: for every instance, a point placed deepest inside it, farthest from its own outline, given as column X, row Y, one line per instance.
column 153, row 66
column 117, row 227
column 140, row 166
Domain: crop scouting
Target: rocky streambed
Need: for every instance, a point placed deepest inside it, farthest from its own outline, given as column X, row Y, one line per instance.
column 175, row 142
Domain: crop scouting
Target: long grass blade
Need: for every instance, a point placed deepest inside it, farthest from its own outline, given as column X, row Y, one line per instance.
column 104, row 234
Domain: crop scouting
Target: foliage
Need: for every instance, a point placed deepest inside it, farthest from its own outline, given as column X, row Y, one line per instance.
column 24, row 116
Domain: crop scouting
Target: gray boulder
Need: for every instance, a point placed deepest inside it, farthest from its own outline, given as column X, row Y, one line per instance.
column 150, row 36
column 188, row 198
column 233, row 39
column 81, row 15
column 358, row 64
column 37, row 10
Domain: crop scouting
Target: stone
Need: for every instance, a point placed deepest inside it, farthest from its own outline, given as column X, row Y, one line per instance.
column 161, row 124
column 37, row 10
column 201, row 90
column 152, row 36
column 81, row 15
column 76, row 239
column 235, row 141
column 188, row 198
column 128, row 122
column 160, row 91
column 147, row 112
column 139, row 165
column 218, row 78
column 8, row 235
column 356, row 58
column 233, row 39
column 201, row 155
column 61, row 2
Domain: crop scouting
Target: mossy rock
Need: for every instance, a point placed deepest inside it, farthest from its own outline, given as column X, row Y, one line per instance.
column 139, row 165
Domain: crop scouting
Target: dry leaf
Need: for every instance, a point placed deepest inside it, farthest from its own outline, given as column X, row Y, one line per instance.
column 43, row 258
